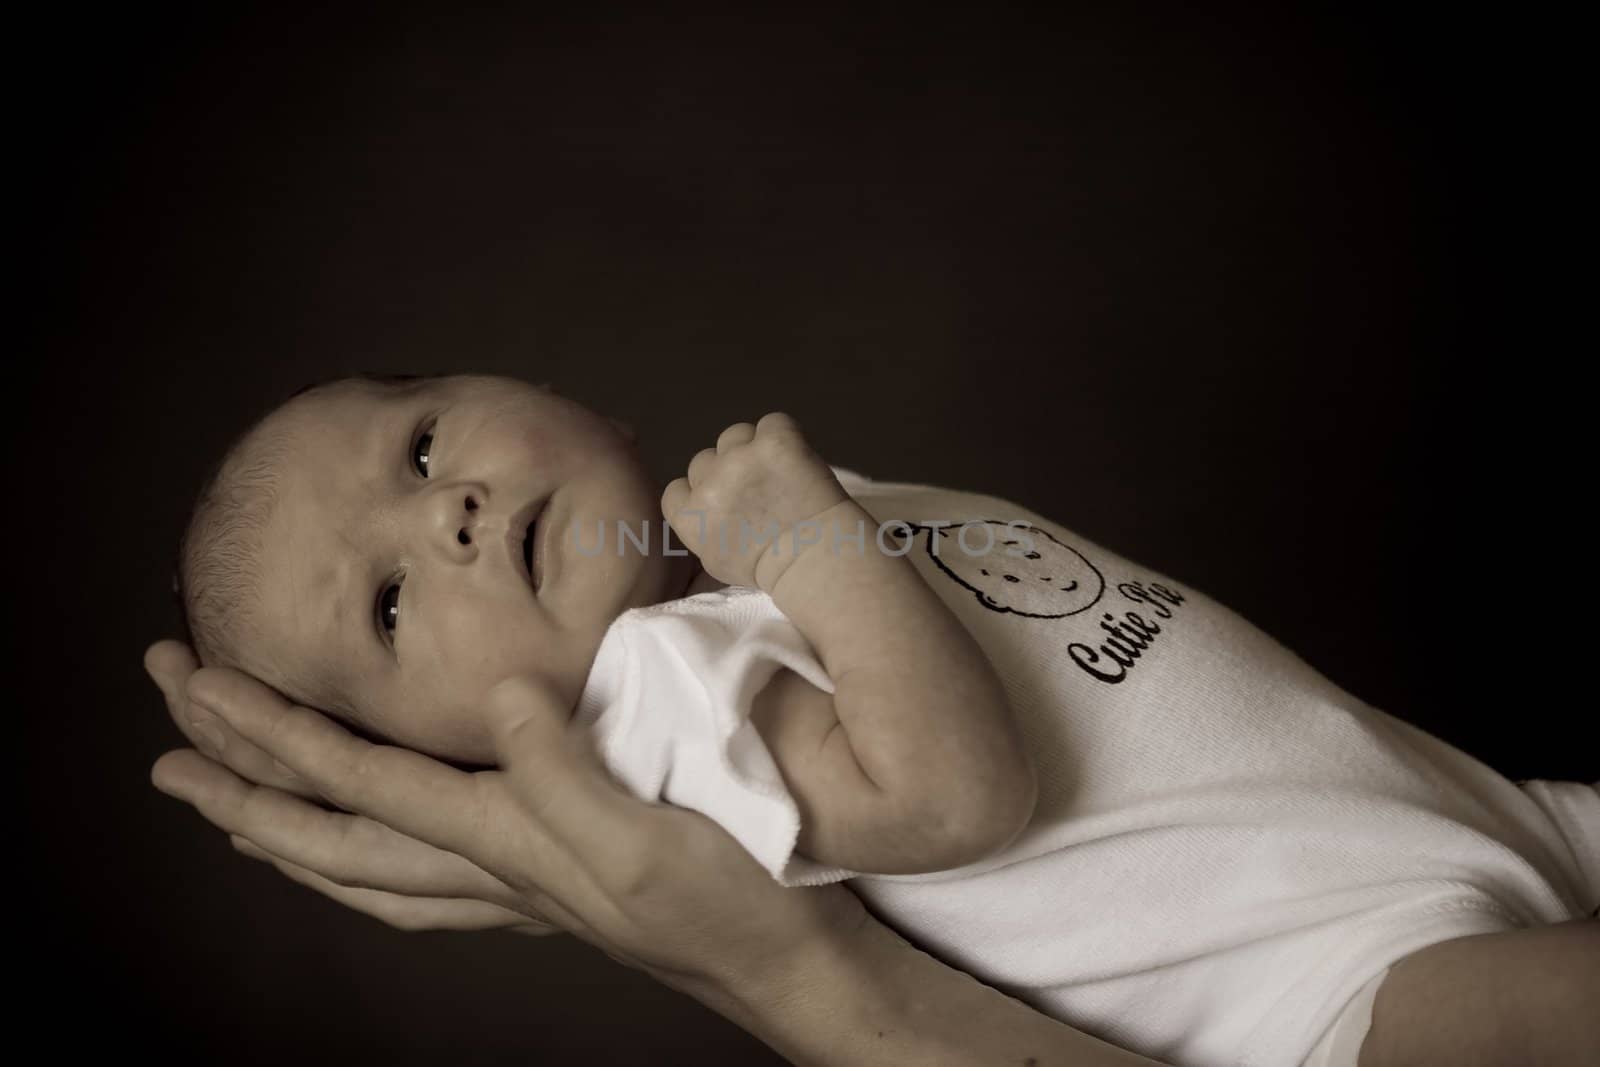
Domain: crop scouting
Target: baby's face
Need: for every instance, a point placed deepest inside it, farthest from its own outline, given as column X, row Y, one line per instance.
column 393, row 566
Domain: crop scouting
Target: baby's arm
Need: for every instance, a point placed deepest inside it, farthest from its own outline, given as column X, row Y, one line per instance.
column 915, row 762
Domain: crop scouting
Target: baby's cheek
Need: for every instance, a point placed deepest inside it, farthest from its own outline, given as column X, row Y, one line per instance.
column 423, row 710
column 433, row 708
column 478, row 655
column 459, row 734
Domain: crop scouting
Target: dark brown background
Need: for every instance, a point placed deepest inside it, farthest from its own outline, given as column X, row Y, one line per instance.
column 1265, row 302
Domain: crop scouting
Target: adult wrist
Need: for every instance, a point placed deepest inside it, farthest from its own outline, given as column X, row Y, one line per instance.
column 872, row 999
column 807, row 1002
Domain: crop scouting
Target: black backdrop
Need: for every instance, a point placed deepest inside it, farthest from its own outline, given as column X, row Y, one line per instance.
column 1262, row 301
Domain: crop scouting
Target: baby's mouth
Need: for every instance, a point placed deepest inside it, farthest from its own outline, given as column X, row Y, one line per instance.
column 527, row 524
column 527, row 555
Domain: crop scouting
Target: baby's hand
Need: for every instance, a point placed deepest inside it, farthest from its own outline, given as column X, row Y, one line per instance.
column 743, row 502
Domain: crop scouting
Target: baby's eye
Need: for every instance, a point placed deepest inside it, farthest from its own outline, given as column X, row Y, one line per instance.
column 420, row 451
column 389, row 610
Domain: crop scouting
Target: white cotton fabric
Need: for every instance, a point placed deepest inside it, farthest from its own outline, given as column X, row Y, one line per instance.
column 1228, row 849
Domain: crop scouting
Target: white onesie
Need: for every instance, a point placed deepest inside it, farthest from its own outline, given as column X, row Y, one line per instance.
column 1227, row 848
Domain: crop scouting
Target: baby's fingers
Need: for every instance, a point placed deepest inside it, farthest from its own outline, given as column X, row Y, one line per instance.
column 737, row 434
column 776, row 422
column 673, row 500
column 700, row 466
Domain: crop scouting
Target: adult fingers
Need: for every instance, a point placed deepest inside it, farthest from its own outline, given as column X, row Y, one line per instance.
column 560, row 831
column 397, row 910
column 418, row 796
column 169, row 664
column 587, row 827
column 350, row 850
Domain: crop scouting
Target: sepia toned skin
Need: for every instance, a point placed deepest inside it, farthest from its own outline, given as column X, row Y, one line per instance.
column 422, row 845
column 378, row 491
column 393, row 586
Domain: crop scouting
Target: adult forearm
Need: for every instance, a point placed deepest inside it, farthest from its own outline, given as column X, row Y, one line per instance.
column 877, row 1001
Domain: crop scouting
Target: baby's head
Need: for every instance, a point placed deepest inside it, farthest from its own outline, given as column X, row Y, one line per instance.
column 365, row 549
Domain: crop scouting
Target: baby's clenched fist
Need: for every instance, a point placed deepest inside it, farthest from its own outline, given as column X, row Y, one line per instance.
column 750, row 505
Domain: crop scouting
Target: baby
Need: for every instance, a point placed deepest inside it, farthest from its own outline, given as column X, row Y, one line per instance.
column 389, row 551
column 1085, row 784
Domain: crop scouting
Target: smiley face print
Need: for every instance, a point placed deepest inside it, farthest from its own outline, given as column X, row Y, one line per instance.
column 1015, row 567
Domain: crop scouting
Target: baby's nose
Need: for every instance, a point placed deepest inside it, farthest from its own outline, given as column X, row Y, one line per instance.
column 454, row 517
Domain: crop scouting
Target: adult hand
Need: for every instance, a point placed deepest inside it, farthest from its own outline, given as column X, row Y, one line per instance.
column 548, row 837
column 277, row 817
column 422, row 845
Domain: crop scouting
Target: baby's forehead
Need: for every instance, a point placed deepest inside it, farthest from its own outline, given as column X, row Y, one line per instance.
column 332, row 405
column 317, row 429
column 311, row 451
column 318, row 459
